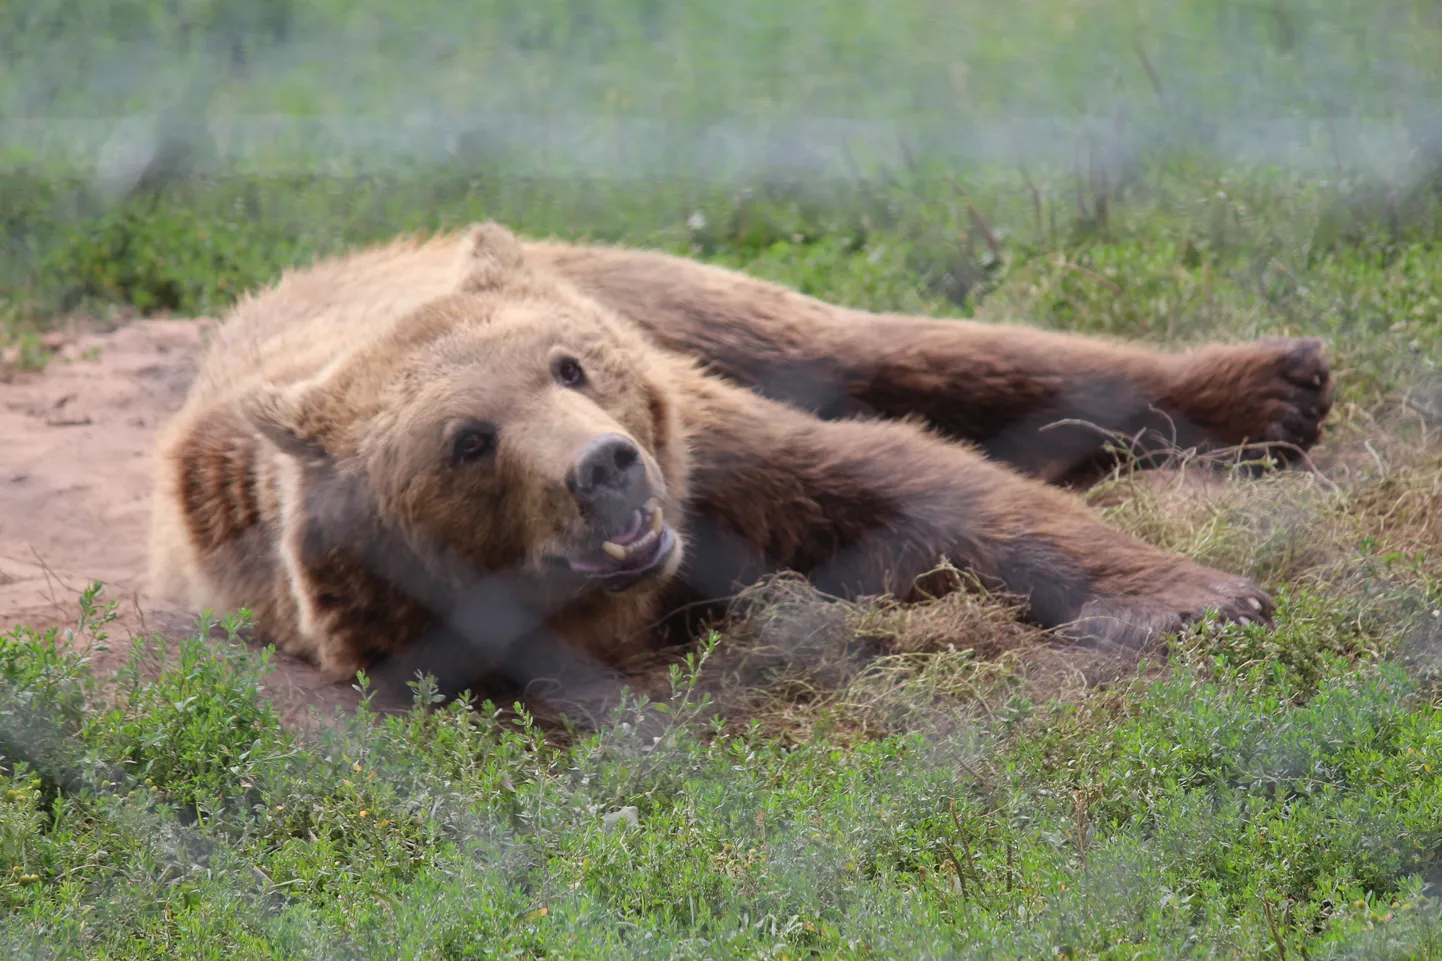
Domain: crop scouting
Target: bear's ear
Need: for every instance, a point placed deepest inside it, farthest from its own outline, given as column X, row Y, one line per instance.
column 490, row 255
column 279, row 414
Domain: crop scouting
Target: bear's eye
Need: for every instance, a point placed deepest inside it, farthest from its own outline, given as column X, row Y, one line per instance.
column 473, row 442
column 568, row 372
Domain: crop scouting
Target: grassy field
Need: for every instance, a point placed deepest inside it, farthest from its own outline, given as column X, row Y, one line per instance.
column 826, row 781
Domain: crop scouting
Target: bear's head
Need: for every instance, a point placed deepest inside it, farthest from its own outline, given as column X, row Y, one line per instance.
column 511, row 429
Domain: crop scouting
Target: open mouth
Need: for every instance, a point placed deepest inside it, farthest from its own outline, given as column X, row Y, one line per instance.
column 625, row 556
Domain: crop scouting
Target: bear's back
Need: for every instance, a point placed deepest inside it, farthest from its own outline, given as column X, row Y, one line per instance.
column 314, row 315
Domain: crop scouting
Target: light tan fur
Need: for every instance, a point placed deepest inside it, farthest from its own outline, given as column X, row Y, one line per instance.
column 365, row 357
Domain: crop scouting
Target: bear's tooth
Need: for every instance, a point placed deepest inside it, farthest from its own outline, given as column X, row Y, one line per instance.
column 658, row 520
column 617, row 551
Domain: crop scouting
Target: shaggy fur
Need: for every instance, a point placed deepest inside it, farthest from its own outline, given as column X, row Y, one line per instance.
column 1045, row 403
column 315, row 473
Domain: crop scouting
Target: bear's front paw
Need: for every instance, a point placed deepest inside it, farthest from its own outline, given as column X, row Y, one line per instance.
column 1293, row 388
column 1271, row 395
column 1183, row 597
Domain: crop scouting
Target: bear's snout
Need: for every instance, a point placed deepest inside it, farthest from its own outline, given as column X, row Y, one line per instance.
column 608, row 480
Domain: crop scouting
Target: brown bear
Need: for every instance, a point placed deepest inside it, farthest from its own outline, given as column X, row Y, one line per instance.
column 440, row 455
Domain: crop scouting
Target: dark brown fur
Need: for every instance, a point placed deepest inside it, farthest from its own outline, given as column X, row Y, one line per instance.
column 869, row 507
column 1045, row 403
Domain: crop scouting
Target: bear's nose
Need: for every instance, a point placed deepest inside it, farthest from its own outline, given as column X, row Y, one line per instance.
column 609, row 470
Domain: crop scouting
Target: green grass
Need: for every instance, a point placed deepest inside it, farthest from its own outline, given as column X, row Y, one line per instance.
column 1228, row 809
column 1178, row 262
column 932, row 781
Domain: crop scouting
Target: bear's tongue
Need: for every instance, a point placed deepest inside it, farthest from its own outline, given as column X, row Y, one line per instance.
column 633, row 530
column 635, row 547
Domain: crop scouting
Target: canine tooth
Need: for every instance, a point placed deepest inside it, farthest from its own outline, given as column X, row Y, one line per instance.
column 658, row 520
column 617, row 551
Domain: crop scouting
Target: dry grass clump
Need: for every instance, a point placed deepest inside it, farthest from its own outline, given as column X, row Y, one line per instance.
column 799, row 661
column 1381, row 496
column 801, row 664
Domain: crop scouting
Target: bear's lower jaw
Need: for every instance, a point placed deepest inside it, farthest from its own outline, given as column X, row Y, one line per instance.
column 617, row 574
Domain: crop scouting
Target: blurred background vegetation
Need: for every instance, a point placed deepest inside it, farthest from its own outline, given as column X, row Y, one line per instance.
column 914, row 154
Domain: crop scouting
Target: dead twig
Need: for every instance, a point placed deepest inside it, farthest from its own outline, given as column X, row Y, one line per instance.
column 977, row 220
column 1035, row 200
column 1147, row 66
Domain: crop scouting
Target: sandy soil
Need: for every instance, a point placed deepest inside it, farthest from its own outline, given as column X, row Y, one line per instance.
column 75, row 444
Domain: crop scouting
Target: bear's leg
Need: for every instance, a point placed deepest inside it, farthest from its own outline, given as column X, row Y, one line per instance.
column 1046, row 403
column 1053, row 404
column 868, row 507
